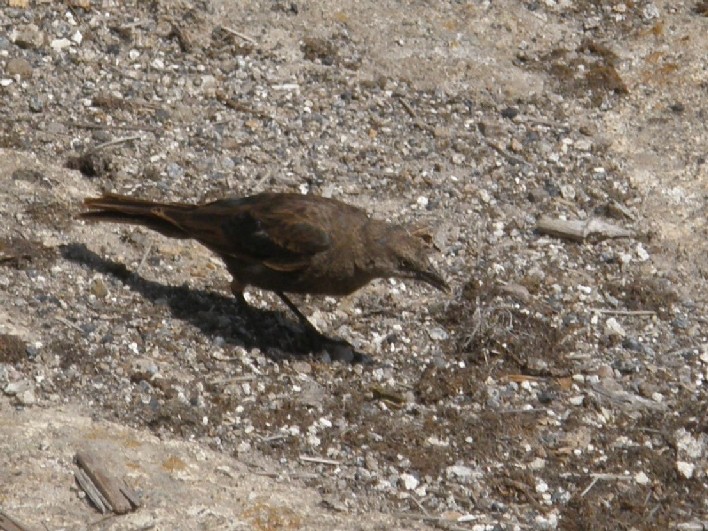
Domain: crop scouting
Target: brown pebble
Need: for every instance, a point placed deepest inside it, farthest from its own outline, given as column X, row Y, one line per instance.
column 605, row 372
column 19, row 67
column 99, row 288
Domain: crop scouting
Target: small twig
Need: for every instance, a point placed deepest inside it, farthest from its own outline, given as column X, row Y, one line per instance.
column 623, row 312
column 599, row 475
column 542, row 121
column 69, row 323
column 420, row 506
column 436, row 521
column 115, row 142
column 580, row 229
column 518, row 410
column 319, row 460
column 85, row 125
column 144, row 258
column 682, row 351
column 273, row 438
column 587, row 489
column 276, row 475
column 240, row 35
column 526, row 491
column 503, row 152
column 406, row 105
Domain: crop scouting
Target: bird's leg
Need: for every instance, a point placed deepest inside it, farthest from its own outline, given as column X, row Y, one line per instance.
column 311, row 330
column 338, row 349
column 248, row 311
column 245, row 309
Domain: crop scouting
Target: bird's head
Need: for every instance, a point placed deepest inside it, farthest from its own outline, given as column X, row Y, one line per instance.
column 408, row 257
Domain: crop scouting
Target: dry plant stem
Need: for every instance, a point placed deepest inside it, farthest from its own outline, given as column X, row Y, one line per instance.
column 8, row 524
column 239, row 35
column 647, row 313
column 115, row 142
column 579, row 230
column 319, row 460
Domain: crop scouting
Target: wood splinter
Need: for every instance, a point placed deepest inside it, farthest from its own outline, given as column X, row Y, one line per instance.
column 580, row 229
column 107, row 493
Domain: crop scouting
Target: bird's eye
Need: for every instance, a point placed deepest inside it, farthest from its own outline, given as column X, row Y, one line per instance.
column 404, row 263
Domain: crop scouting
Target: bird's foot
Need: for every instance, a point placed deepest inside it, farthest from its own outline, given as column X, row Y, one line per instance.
column 330, row 349
column 250, row 315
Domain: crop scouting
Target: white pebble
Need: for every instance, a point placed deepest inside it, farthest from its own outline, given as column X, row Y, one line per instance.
column 409, row 481
column 686, row 469
column 641, row 478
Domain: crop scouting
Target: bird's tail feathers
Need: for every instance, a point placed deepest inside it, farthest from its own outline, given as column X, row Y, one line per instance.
column 124, row 209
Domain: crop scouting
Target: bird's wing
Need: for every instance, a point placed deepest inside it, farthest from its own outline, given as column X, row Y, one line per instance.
column 281, row 235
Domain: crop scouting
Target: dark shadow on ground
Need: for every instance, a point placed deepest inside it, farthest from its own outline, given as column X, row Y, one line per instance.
column 220, row 315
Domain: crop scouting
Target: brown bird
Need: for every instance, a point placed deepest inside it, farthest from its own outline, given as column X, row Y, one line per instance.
column 284, row 242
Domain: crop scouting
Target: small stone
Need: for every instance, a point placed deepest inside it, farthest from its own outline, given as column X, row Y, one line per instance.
column 567, row 192
column 650, row 12
column 541, row 486
column 605, row 371
column 98, row 288
column 577, row 400
column 627, row 366
column 641, row 478
column 174, row 170
column 632, row 344
column 302, row 367
column 510, row 112
column 56, row 128
column 537, row 195
column 485, row 196
column 437, row 334
column 680, row 323
column 243, row 447
column 642, row 253
column 537, row 464
column 515, row 146
column 59, row 44
column 685, row 469
column 592, row 23
column 613, row 328
column 490, row 129
column 27, row 397
column 583, row 144
column 19, row 67
column 144, row 369
column 16, row 388
column 28, row 37
column 517, row 291
column 371, row 463
column 460, row 471
column 409, row 481
column 36, row 104
column 32, row 351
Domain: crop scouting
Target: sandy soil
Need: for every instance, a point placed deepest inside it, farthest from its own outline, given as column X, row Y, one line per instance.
column 561, row 385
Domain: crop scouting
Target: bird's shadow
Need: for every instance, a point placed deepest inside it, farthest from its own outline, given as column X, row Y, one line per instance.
column 215, row 314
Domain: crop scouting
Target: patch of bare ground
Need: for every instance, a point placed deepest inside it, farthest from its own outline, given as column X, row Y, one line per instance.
column 562, row 383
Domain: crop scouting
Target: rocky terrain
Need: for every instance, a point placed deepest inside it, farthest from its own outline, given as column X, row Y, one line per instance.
column 561, row 385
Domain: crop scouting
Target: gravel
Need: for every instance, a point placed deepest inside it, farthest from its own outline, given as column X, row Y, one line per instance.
column 559, row 384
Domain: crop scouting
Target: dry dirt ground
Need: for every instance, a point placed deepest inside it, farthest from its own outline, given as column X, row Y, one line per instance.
column 562, row 384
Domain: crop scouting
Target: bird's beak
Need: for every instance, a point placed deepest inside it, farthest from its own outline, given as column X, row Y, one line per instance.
column 433, row 278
